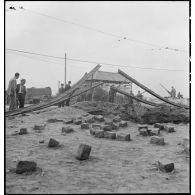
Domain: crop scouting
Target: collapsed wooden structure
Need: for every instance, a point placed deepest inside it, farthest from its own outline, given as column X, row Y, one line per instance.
column 76, row 91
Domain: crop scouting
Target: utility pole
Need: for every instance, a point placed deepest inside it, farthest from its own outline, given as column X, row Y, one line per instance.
column 65, row 72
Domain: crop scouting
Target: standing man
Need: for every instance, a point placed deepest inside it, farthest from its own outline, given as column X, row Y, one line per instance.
column 61, row 91
column 112, row 95
column 67, row 87
column 21, row 93
column 173, row 92
column 11, row 91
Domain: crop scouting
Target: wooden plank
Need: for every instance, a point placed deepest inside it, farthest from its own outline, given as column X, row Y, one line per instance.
column 150, row 91
column 135, row 98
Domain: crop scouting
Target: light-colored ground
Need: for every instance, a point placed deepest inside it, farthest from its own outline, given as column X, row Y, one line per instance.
column 114, row 166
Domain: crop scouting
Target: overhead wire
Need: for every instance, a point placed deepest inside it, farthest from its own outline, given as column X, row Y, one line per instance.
column 103, row 32
column 93, row 62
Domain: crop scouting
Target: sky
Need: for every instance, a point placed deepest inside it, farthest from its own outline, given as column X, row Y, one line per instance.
column 165, row 24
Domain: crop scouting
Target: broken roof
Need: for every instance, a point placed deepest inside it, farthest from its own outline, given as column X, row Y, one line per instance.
column 109, row 77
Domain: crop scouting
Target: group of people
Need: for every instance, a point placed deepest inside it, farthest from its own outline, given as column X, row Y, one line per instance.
column 16, row 92
column 61, row 91
column 173, row 93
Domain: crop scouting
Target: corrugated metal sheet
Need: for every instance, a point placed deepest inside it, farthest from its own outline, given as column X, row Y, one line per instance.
column 109, row 77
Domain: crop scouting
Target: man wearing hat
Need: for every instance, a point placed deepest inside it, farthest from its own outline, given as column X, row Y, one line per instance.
column 61, row 91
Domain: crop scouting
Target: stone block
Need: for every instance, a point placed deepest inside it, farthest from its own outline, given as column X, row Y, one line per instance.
column 83, row 152
column 115, row 126
column 25, row 166
column 67, row 129
column 23, row 131
column 97, row 133
column 153, row 131
column 109, row 135
column 123, row 137
column 39, row 127
column 169, row 129
column 143, row 132
column 168, row 167
column 108, row 122
column 89, row 119
column 107, row 127
column 84, row 126
column 99, row 118
column 77, row 121
column 96, row 126
column 160, row 126
column 157, row 140
column 142, row 127
column 53, row 143
column 123, row 124
column 41, row 141
column 69, row 121
column 117, row 119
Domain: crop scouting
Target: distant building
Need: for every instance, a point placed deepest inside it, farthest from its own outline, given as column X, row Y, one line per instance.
column 38, row 94
column 110, row 78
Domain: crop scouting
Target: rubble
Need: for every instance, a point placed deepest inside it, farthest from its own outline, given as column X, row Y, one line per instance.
column 96, row 126
column 83, row 152
column 142, row 127
column 39, row 127
column 54, row 120
column 117, row 119
column 115, row 126
column 123, row 137
column 25, row 166
column 41, row 141
column 157, row 140
column 77, row 121
column 53, row 143
column 169, row 129
column 68, row 121
column 89, row 119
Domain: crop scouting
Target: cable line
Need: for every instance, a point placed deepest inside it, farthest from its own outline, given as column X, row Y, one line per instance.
column 92, row 62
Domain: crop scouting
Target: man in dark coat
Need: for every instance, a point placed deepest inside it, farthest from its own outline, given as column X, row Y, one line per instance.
column 21, row 93
column 67, row 87
column 61, row 91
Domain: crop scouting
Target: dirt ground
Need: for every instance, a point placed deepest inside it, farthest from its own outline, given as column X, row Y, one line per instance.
column 114, row 166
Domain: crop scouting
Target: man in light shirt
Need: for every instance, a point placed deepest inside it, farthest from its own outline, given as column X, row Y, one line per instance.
column 11, row 91
column 21, row 93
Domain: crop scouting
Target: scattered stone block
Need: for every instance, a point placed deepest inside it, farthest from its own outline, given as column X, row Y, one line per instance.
column 123, row 124
column 108, row 122
column 41, row 141
column 153, row 131
column 53, row 143
column 117, row 119
column 142, row 127
column 169, row 129
column 115, row 126
column 39, row 127
column 123, row 137
column 67, row 129
column 107, row 127
column 96, row 126
column 169, row 167
column 23, row 131
column 160, row 126
column 89, row 119
column 109, row 135
column 157, row 140
column 78, row 121
column 68, row 121
column 25, row 166
column 97, row 133
column 143, row 132
column 99, row 118
column 84, row 126
column 83, row 152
